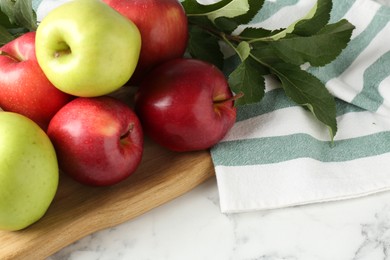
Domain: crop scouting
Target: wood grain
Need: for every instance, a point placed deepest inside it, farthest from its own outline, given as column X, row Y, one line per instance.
column 79, row 210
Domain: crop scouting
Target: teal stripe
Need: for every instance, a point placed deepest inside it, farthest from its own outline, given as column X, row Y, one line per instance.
column 340, row 9
column 355, row 47
column 272, row 100
column 370, row 98
column 343, row 108
column 276, row 99
column 271, row 8
column 284, row 148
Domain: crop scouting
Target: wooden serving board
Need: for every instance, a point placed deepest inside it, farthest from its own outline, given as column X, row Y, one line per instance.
column 79, row 210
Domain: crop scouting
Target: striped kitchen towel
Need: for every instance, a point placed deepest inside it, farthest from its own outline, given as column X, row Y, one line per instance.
column 277, row 155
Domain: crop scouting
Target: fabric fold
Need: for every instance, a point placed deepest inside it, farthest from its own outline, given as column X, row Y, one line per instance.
column 277, row 155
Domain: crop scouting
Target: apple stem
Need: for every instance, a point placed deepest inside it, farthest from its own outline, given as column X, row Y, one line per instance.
column 3, row 53
column 233, row 98
column 61, row 53
column 129, row 130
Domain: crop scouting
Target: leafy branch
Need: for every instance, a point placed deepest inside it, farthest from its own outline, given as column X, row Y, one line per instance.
column 222, row 27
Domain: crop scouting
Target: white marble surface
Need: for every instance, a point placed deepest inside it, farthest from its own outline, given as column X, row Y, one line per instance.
column 192, row 227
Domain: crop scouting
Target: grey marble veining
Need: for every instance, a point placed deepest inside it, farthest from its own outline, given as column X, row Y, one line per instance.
column 192, row 227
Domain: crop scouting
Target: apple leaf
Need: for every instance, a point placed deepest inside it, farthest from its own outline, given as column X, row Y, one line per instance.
column 243, row 50
column 192, row 7
column 255, row 33
column 5, row 36
column 315, row 20
column 205, row 46
column 306, row 90
column 311, row 23
column 318, row 49
column 229, row 24
column 241, row 11
column 5, row 25
column 254, row 8
column 246, row 79
column 20, row 12
column 234, row 9
column 302, row 87
column 5, row 21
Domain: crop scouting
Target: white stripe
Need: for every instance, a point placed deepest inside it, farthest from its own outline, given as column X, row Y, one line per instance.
column 294, row 120
column 287, row 15
column 359, row 9
column 300, row 181
column 350, row 82
column 384, row 91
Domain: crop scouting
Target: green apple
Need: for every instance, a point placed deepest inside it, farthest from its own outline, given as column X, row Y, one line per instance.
column 86, row 48
column 28, row 171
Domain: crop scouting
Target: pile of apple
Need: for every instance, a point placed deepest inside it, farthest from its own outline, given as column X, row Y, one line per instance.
column 59, row 114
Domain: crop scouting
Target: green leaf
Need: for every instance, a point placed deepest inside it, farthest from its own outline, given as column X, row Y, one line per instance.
column 4, row 21
column 313, row 21
column 5, row 36
column 255, row 33
column 254, row 8
column 233, row 9
column 192, row 7
column 229, row 24
column 306, row 90
column 20, row 12
column 7, row 7
column 202, row 21
column 204, row 46
column 319, row 49
column 317, row 21
column 27, row 16
column 225, row 24
column 243, row 49
column 247, row 79
column 265, row 54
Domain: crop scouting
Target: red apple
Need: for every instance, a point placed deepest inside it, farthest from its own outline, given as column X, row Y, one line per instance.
column 99, row 141
column 185, row 105
column 24, row 87
column 163, row 27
